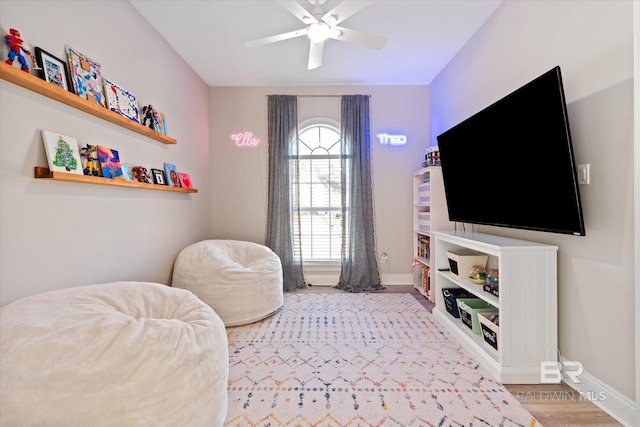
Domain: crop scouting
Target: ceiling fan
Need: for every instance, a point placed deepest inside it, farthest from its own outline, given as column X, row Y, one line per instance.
column 321, row 26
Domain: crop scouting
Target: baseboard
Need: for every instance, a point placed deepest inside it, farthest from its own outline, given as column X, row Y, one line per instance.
column 396, row 279
column 331, row 279
column 618, row 406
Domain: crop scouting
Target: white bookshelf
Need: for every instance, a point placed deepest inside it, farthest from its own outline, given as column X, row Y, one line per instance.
column 428, row 216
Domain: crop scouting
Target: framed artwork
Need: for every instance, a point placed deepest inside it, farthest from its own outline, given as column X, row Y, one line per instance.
column 110, row 162
column 62, row 152
column 185, row 180
column 172, row 175
column 53, row 69
column 158, row 177
column 86, row 77
column 90, row 161
column 121, row 101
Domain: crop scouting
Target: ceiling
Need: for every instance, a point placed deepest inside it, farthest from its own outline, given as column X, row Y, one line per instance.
column 210, row 35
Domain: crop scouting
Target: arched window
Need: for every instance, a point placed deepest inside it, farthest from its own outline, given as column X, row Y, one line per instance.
column 319, row 192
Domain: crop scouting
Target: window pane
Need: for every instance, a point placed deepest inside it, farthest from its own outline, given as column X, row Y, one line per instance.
column 320, row 235
column 319, row 194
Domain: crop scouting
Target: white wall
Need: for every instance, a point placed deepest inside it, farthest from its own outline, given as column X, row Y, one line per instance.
column 592, row 41
column 57, row 234
column 239, row 176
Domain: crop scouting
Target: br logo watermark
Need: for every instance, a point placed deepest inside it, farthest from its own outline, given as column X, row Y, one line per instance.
column 552, row 372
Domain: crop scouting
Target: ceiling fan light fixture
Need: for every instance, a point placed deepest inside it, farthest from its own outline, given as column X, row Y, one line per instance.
column 320, row 26
column 318, row 32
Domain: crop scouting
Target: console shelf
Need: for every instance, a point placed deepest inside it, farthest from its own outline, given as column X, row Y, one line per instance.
column 45, row 173
column 33, row 83
column 527, row 303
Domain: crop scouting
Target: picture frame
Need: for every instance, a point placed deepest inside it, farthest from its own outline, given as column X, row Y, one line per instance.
column 158, row 177
column 53, row 69
column 185, row 180
column 63, row 154
column 121, row 101
column 171, row 172
column 86, row 76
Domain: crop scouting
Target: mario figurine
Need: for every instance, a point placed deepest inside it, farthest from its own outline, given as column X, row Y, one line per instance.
column 16, row 48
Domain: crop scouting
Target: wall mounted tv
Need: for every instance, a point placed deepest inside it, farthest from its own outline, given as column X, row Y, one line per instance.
column 512, row 164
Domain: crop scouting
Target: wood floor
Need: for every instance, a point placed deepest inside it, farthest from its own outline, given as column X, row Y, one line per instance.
column 553, row 405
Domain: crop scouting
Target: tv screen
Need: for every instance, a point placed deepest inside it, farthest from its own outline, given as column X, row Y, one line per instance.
column 512, row 164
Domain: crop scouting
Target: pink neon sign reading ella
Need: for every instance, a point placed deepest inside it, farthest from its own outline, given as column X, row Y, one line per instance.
column 245, row 139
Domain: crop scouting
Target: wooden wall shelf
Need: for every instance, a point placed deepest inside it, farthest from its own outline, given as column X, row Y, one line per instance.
column 45, row 173
column 31, row 82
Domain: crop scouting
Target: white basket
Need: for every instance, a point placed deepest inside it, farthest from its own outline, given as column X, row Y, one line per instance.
column 424, row 193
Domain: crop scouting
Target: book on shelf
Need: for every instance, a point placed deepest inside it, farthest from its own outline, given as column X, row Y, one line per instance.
column 424, row 246
column 185, row 180
column 426, row 279
column 172, row 175
column 110, row 163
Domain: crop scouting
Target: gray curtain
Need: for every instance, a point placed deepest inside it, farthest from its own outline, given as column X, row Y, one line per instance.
column 282, row 138
column 359, row 270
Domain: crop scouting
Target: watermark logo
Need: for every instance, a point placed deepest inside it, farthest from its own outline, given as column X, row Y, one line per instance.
column 552, row 372
column 556, row 372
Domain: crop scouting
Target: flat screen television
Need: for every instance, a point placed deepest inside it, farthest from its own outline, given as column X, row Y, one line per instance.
column 512, row 164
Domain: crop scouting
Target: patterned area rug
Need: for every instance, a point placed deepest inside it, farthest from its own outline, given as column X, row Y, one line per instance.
column 360, row 360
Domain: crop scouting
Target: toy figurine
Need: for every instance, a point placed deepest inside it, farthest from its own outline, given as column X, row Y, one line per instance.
column 16, row 48
column 141, row 174
column 149, row 116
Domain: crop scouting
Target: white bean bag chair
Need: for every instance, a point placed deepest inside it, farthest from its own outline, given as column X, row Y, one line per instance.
column 114, row 354
column 241, row 280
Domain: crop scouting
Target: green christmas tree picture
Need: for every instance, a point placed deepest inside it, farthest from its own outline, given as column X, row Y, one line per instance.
column 64, row 155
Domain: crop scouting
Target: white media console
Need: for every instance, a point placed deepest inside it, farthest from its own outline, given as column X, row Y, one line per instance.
column 527, row 303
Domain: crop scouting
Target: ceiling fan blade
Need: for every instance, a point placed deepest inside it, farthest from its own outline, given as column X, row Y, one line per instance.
column 344, row 10
column 298, row 11
column 276, row 38
column 361, row 38
column 315, row 55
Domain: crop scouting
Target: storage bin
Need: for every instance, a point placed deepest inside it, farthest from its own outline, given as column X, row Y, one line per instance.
column 424, row 193
column 469, row 309
column 424, row 221
column 461, row 262
column 489, row 331
column 450, row 296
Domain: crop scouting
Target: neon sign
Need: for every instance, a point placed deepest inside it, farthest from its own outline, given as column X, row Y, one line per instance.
column 389, row 139
column 245, row 139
